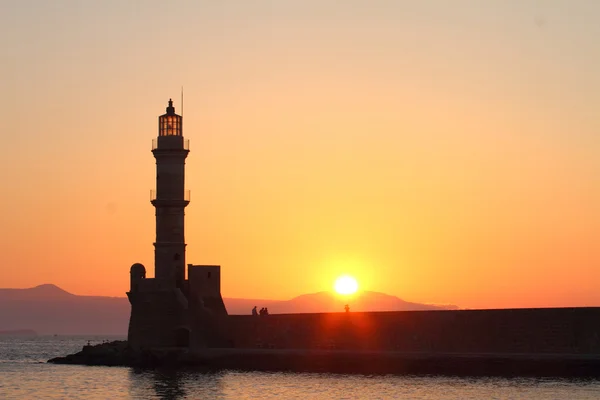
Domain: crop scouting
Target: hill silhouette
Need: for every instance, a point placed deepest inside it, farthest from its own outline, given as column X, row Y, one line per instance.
column 361, row 301
column 48, row 309
column 45, row 292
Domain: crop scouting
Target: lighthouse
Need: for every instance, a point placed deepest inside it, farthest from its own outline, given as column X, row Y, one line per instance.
column 170, row 310
column 170, row 198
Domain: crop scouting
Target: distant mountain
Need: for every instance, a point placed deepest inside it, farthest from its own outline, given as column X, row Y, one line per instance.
column 48, row 309
column 361, row 301
column 42, row 292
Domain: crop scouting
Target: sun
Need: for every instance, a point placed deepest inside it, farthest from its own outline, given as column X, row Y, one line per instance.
column 345, row 285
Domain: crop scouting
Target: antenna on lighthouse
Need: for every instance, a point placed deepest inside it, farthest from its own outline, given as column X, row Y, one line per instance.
column 182, row 110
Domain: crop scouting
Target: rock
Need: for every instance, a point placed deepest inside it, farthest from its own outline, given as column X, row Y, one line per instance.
column 110, row 354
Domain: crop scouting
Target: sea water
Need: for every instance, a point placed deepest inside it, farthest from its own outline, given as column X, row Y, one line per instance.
column 24, row 374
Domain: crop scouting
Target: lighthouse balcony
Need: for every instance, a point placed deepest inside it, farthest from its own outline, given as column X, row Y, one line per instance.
column 185, row 197
column 170, row 143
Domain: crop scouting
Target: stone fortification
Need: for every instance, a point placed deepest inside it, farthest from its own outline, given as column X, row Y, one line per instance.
column 169, row 310
column 526, row 342
column 158, row 318
column 530, row 331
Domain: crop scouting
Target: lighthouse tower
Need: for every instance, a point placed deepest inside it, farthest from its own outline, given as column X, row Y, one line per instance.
column 170, row 310
column 170, row 199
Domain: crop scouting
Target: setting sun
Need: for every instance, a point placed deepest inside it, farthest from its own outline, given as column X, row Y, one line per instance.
column 345, row 285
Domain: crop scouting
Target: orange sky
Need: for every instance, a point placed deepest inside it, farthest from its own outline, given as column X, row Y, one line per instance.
column 443, row 152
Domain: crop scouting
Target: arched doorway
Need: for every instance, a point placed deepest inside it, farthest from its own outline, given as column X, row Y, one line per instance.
column 182, row 337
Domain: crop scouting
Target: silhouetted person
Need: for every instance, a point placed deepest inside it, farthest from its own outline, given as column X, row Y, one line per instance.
column 262, row 311
column 254, row 312
column 347, row 308
column 266, row 311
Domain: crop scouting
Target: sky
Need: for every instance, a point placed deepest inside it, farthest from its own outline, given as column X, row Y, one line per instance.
column 443, row 152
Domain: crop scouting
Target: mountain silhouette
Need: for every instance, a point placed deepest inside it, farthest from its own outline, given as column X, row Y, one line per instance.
column 361, row 301
column 48, row 309
column 42, row 292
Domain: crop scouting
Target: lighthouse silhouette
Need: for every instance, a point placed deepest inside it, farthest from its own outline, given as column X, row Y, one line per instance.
column 170, row 310
column 170, row 199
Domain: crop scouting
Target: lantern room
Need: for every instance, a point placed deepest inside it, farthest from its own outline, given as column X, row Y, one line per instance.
column 169, row 124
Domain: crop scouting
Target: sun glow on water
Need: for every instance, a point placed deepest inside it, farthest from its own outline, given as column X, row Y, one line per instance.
column 345, row 285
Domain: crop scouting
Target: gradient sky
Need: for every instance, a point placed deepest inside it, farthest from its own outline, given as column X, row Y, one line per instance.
column 440, row 151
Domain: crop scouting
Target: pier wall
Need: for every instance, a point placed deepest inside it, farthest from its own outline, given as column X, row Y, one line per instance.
column 548, row 330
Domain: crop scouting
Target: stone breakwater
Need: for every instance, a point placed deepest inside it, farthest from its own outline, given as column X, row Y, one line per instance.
column 115, row 353
column 339, row 361
column 118, row 353
column 522, row 342
column 518, row 331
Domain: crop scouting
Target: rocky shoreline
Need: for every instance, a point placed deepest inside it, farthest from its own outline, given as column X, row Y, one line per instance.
column 118, row 353
column 115, row 353
column 338, row 361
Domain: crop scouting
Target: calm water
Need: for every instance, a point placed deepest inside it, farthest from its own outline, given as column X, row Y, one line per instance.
column 25, row 375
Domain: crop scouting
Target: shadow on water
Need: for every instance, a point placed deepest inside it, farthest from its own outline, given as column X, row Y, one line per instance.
column 169, row 384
